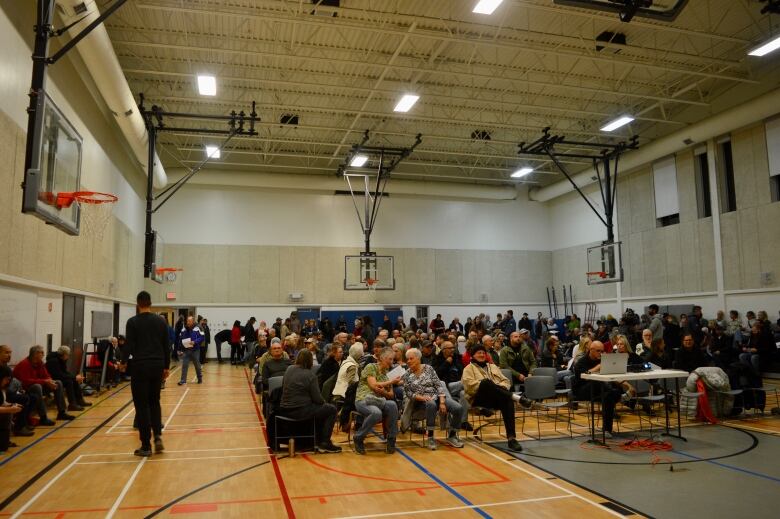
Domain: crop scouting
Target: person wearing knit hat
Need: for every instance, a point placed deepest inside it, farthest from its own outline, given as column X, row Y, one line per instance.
column 485, row 386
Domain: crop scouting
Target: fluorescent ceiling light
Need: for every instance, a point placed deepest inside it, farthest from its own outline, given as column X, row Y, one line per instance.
column 522, row 172
column 358, row 161
column 406, row 103
column 766, row 48
column 213, row 152
column 486, row 6
column 207, row 85
column 617, row 123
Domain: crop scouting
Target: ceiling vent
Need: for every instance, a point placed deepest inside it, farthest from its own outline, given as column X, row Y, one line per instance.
column 289, row 119
column 615, row 38
column 480, row 135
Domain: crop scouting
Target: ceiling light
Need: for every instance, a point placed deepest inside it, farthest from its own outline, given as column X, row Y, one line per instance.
column 522, row 172
column 213, row 152
column 486, row 6
column 617, row 123
column 766, row 48
column 207, row 85
column 406, row 103
column 358, row 161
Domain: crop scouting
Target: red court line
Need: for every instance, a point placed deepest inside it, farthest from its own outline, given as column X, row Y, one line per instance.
column 193, row 508
column 274, row 463
column 361, row 476
column 459, row 452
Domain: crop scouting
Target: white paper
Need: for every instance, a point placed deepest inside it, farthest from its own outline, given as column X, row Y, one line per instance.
column 398, row 371
column 187, row 343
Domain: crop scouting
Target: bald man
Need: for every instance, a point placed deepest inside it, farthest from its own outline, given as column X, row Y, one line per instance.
column 581, row 388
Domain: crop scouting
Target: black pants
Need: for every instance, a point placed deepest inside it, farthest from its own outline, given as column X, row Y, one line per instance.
column 493, row 396
column 145, row 381
column 73, row 391
column 28, row 403
column 612, row 396
column 324, row 418
column 203, row 350
column 234, row 352
column 218, row 346
column 5, row 431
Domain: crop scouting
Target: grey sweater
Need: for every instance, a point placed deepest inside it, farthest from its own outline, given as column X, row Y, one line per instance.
column 300, row 388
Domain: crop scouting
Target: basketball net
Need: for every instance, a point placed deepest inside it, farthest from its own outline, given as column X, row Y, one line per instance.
column 94, row 209
column 371, row 284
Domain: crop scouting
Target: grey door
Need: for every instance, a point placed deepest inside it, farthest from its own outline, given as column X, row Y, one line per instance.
column 73, row 328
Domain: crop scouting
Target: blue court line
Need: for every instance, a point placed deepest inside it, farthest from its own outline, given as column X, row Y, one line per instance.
column 54, row 430
column 731, row 467
column 444, row 485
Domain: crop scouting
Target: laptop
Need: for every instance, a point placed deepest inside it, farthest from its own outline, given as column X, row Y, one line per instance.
column 614, row 363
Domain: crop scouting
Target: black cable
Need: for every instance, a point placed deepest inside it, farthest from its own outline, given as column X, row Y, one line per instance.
column 208, row 485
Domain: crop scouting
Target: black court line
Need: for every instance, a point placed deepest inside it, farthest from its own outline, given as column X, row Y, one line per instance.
column 19, row 491
column 208, row 485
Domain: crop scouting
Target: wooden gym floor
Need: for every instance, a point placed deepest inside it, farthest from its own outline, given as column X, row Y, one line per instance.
column 216, row 463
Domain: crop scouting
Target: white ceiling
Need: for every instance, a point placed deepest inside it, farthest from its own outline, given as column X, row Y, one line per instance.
column 529, row 65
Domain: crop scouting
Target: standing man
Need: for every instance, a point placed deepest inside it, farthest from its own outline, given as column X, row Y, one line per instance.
column 510, row 326
column 656, row 326
column 147, row 343
column 191, row 340
column 437, row 325
column 204, row 329
column 219, row 339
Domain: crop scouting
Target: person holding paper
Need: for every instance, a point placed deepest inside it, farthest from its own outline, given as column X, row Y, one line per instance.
column 191, row 339
column 374, row 401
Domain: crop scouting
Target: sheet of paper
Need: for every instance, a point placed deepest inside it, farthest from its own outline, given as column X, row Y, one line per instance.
column 398, row 371
column 187, row 343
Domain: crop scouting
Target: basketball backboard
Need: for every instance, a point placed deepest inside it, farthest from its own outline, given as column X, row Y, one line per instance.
column 369, row 266
column 605, row 264
column 54, row 166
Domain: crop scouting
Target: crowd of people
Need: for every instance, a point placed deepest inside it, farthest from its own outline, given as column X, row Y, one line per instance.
column 437, row 369
column 446, row 369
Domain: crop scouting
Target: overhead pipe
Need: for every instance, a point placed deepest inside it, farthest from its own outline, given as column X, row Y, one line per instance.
column 748, row 113
column 98, row 55
column 331, row 184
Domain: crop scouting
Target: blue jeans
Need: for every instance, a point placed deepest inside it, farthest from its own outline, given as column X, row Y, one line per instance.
column 454, row 412
column 193, row 355
column 373, row 414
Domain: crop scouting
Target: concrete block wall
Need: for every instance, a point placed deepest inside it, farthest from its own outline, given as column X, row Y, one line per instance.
column 262, row 274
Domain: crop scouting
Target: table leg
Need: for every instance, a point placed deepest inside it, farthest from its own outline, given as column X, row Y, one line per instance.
column 679, row 427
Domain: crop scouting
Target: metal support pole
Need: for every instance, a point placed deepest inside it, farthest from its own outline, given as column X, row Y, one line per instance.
column 149, row 245
column 549, row 301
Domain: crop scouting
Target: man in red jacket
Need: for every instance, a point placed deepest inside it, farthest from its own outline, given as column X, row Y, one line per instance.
column 36, row 380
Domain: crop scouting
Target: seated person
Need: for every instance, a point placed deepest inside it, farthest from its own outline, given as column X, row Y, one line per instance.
column 659, row 355
column 14, row 394
column 622, row 345
column 265, row 357
column 423, row 389
column 57, row 366
column 485, row 386
column 552, row 357
column 108, row 347
column 7, row 410
column 518, row 356
column 330, row 366
column 690, row 356
column 427, row 350
column 301, row 399
column 370, row 357
column 277, row 364
column 757, row 353
column 721, row 348
column 581, row 388
column 348, row 373
column 313, row 347
column 374, row 401
column 32, row 373
column 645, row 348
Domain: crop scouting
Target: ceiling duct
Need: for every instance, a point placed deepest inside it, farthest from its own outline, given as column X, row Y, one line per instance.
column 627, row 9
column 98, row 55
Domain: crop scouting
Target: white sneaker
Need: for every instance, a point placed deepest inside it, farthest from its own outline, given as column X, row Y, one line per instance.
column 432, row 443
column 454, row 441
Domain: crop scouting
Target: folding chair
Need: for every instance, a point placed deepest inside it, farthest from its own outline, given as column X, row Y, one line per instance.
column 539, row 388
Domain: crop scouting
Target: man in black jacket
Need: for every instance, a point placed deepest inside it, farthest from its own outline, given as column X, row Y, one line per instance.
column 57, row 366
column 147, row 343
column 581, row 388
column 206, row 331
column 219, row 339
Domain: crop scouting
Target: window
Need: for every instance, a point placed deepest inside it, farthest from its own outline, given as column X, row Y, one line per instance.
column 667, row 202
column 728, row 194
column 702, row 169
column 773, row 151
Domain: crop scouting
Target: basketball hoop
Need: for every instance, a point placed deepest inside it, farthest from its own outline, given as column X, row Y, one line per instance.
column 371, row 283
column 168, row 273
column 596, row 276
column 95, row 209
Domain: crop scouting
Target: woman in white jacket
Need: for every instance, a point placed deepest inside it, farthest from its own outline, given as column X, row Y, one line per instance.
column 348, row 372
